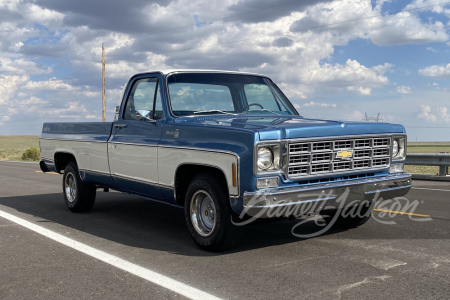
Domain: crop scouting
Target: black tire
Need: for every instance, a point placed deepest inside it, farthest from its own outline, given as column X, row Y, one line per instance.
column 348, row 218
column 83, row 196
column 224, row 235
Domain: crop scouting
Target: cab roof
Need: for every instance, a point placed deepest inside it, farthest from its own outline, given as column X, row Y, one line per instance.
column 169, row 71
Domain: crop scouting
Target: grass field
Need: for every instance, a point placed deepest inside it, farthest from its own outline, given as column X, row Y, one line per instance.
column 13, row 146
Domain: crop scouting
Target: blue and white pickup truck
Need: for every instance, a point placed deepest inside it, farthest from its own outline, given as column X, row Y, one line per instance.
column 228, row 147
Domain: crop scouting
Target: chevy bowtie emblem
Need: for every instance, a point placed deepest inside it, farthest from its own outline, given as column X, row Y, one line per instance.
column 344, row 154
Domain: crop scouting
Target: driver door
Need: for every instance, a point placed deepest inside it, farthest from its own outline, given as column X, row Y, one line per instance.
column 133, row 149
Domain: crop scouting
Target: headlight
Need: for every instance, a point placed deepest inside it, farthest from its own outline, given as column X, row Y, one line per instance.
column 268, row 158
column 395, row 147
column 265, row 158
column 398, row 148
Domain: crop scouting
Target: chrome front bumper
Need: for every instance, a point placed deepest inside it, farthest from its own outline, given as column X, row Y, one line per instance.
column 330, row 196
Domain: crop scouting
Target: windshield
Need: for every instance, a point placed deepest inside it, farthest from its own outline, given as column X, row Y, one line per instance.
column 214, row 93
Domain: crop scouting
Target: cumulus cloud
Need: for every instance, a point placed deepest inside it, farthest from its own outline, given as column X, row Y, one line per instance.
column 310, row 104
column 403, row 89
column 440, row 115
column 8, row 85
column 355, row 116
column 436, row 71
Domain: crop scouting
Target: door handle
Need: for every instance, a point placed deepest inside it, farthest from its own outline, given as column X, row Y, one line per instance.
column 120, row 125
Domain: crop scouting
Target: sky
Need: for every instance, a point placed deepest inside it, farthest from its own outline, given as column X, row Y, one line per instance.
column 333, row 59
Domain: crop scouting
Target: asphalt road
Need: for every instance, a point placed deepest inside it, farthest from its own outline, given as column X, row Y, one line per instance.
column 406, row 260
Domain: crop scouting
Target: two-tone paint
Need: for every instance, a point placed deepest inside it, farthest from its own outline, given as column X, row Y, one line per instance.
column 143, row 157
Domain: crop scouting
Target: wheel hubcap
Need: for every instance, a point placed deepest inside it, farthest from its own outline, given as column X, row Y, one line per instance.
column 203, row 213
column 70, row 187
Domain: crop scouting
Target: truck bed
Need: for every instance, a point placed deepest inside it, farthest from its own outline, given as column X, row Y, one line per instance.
column 86, row 141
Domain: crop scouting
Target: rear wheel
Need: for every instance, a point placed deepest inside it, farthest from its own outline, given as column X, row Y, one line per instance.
column 79, row 196
column 208, row 214
column 350, row 217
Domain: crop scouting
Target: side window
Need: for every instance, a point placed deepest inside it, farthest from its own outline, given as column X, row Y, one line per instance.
column 141, row 99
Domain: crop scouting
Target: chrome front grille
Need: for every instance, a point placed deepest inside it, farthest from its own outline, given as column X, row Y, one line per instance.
column 320, row 157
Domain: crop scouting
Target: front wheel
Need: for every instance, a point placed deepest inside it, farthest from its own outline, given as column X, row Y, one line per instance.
column 79, row 196
column 208, row 214
column 349, row 217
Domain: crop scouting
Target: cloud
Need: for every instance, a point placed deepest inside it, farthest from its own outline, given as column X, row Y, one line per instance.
column 117, row 15
column 351, row 74
column 436, row 71
column 9, row 85
column 361, row 90
column 282, row 42
column 403, row 89
column 391, row 29
column 441, row 114
column 310, row 104
column 21, row 67
column 355, row 116
column 275, row 9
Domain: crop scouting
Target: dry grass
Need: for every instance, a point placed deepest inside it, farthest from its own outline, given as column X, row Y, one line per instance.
column 13, row 146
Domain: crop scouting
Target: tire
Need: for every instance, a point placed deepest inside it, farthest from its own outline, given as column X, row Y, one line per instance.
column 79, row 196
column 213, row 229
column 348, row 218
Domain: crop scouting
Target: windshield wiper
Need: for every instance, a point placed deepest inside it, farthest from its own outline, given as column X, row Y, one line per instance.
column 264, row 109
column 212, row 111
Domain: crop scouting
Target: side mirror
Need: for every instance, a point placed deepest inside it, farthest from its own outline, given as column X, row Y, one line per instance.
column 116, row 115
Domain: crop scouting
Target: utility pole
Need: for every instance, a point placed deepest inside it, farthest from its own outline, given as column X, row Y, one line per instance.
column 103, row 79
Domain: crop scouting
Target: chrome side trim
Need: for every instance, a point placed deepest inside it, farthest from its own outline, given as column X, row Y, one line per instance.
column 200, row 149
column 92, row 171
column 141, row 181
column 73, row 140
column 134, row 144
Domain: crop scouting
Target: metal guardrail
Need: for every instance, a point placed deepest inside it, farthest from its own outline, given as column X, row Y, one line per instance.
column 441, row 160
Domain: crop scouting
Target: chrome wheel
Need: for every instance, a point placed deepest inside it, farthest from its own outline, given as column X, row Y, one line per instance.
column 203, row 213
column 70, row 187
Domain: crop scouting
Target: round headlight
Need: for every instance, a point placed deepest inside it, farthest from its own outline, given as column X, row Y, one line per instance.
column 395, row 148
column 265, row 158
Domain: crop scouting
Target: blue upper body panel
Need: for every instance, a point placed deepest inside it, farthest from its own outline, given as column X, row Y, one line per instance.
column 83, row 131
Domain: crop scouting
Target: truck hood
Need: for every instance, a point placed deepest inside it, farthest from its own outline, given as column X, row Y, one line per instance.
column 290, row 127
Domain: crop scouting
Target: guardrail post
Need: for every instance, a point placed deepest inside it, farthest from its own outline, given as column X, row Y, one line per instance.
column 443, row 170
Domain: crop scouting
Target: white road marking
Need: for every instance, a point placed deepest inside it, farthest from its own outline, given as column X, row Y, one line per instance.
column 431, row 189
column 147, row 274
column 385, row 263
